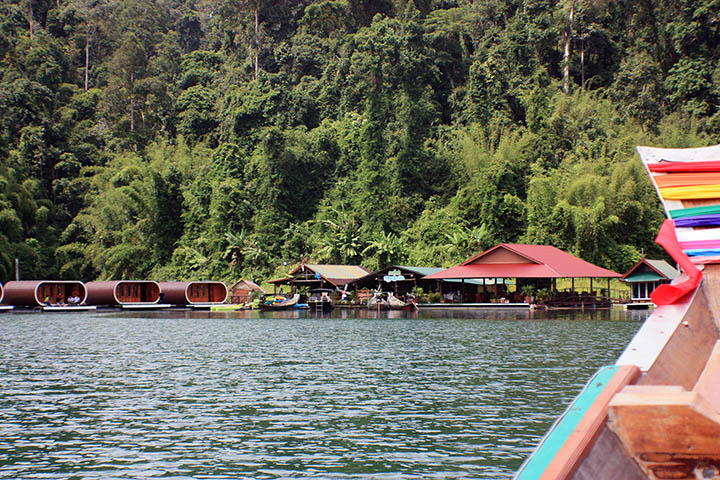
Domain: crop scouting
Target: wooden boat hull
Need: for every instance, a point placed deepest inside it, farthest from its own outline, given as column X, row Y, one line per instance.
column 381, row 305
column 658, row 415
column 662, row 420
column 408, row 307
column 285, row 305
column 320, row 306
column 270, row 308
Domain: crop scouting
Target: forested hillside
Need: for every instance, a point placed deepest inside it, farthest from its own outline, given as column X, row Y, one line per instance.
column 173, row 139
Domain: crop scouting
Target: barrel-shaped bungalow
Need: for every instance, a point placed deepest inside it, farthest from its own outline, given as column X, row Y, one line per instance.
column 32, row 293
column 123, row 292
column 194, row 293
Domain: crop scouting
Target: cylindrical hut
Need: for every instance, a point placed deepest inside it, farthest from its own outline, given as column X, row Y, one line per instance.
column 123, row 292
column 44, row 292
column 194, row 293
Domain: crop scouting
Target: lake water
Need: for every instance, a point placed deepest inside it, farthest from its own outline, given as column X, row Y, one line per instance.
column 443, row 394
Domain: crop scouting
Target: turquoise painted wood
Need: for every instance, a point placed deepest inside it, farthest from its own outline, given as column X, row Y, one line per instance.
column 537, row 463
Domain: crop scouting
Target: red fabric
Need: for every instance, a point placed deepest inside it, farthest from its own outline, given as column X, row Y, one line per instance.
column 675, row 167
column 669, row 294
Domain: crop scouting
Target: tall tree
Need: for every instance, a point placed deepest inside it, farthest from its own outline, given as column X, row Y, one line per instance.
column 128, row 66
column 91, row 13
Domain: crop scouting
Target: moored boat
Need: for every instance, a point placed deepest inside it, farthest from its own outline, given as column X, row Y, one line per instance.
column 320, row 299
column 395, row 303
column 278, row 302
column 377, row 302
column 655, row 413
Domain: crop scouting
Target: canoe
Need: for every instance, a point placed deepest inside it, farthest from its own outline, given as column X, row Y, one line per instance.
column 395, row 303
column 377, row 302
column 272, row 302
column 227, row 308
column 655, row 413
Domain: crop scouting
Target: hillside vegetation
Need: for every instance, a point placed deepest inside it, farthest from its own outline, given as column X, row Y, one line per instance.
column 172, row 139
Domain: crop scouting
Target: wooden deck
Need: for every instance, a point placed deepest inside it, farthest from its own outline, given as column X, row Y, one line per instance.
column 579, row 301
column 423, row 306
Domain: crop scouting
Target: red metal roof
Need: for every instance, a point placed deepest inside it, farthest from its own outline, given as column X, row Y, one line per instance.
column 513, row 260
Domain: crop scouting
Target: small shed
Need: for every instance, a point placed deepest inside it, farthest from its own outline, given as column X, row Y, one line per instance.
column 43, row 292
column 240, row 292
column 123, row 292
column 646, row 276
column 194, row 293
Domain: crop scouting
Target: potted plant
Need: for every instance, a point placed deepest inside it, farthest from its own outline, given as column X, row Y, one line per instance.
column 528, row 291
column 542, row 295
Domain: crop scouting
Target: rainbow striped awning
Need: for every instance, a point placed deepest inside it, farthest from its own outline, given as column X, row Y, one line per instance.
column 688, row 183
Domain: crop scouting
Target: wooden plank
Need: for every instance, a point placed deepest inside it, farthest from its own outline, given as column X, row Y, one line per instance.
column 653, row 335
column 708, row 385
column 658, row 420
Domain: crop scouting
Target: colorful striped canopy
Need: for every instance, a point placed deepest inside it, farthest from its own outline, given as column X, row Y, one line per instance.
column 688, row 183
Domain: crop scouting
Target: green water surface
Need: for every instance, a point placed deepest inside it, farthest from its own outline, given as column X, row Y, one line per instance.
column 178, row 395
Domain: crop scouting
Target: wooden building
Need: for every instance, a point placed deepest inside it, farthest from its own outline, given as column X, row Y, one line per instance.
column 241, row 291
column 402, row 280
column 32, row 293
column 194, row 293
column 646, row 276
column 123, row 292
column 535, row 265
column 311, row 276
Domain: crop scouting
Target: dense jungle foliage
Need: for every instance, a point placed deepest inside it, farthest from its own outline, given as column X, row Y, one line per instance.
column 186, row 139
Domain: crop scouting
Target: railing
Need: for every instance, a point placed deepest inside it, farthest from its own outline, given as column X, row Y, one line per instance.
column 581, row 300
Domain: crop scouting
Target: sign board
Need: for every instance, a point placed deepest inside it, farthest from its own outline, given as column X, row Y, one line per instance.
column 393, row 278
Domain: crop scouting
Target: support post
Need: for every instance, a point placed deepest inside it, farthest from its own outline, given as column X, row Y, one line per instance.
column 608, row 289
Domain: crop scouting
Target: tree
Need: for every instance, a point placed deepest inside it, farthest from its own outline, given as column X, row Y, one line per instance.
column 91, row 13
column 128, row 66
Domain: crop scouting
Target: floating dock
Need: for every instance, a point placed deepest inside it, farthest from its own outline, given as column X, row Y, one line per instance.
column 68, row 308
column 146, row 306
column 423, row 306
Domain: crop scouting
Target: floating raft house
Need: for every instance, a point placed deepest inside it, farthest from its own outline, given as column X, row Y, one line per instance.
column 194, row 293
column 31, row 293
column 123, row 292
